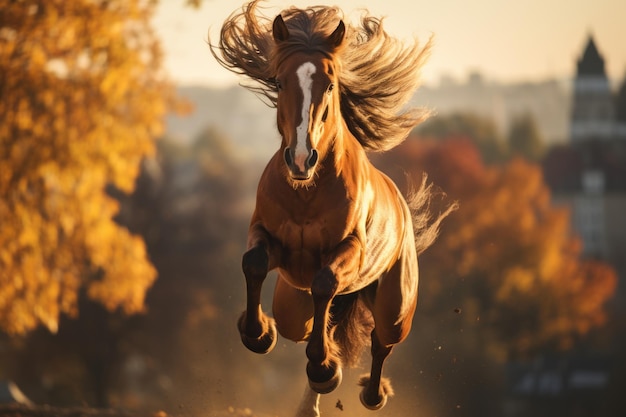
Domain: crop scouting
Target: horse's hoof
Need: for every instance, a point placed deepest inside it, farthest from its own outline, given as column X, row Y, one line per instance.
column 262, row 344
column 380, row 403
column 329, row 379
column 379, row 399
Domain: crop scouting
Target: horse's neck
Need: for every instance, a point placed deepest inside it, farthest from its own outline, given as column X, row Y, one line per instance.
column 346, row 151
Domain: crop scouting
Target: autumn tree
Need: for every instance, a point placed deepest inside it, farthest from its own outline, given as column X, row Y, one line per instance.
column 187, row 206
column 525, row 139
column 482, row 131
column 83, row 96
column 508, row 257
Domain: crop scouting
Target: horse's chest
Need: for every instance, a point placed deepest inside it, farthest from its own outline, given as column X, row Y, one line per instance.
column 307, row 237
column 312, row 227
column 305, row 245
column 307, row 228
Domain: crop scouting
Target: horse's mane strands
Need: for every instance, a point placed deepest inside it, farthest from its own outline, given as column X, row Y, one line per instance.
column 378, row 74
column 245, row 48
column 379, row 77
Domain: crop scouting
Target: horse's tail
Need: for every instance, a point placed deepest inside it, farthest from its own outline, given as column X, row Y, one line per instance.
column 352, row 324
column 425, row 224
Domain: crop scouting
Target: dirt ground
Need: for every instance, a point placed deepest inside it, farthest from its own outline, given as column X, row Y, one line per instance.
column 18, row 410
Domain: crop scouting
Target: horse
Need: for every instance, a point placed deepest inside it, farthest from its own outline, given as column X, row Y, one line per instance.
column 341, row 236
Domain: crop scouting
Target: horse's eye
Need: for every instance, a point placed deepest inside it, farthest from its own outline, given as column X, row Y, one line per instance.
column 330, row 88
column 278, row 85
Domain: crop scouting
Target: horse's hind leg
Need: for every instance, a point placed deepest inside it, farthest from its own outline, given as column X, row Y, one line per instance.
column 376, row 389
column 393, row 305
column 258, row 331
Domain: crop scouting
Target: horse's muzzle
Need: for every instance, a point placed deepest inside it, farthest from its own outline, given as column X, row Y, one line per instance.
column 301, row 167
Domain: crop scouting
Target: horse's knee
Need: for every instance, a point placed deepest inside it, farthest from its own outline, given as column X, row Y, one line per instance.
column 324, row 285
column 255, row 262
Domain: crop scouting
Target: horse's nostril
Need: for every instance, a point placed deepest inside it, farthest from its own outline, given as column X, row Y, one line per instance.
column 287, row 156
column 312, row 158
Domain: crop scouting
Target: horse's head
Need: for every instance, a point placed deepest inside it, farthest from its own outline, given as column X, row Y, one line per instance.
column 308, row 101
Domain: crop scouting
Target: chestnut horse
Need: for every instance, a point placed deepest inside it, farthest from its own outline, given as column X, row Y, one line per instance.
column 341, row 236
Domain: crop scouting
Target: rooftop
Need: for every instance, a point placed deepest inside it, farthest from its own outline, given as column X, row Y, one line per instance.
column 591, row 63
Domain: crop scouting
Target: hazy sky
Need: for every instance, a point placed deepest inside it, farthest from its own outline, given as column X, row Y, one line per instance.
column 504, row 40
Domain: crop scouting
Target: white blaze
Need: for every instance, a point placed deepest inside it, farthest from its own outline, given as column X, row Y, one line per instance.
column 305, row 77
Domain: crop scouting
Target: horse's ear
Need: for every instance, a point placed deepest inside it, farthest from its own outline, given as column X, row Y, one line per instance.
column 336, row 38
column 279, row 29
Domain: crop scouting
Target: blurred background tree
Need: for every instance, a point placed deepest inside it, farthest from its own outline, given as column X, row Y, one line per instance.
column 480, row 130
column 505, row 281
column 507, row 256
column 525, row 139
column 83, row 97
column 190, row 205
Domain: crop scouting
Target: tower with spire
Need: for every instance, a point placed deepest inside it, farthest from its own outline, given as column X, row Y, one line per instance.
column 588, row 174
column 593, row 110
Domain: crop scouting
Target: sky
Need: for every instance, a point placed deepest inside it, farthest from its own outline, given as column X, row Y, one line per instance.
column 506, row 41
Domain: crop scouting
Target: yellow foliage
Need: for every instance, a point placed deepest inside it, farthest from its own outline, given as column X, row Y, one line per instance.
column 83, row 97
column 509, row 249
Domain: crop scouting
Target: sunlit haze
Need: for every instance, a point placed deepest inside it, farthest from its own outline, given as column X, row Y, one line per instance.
column 505, row 41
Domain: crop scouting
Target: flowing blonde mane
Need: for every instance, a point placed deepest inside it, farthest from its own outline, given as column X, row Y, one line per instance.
column 378, row 74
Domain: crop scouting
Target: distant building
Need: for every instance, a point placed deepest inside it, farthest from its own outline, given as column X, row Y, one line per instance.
column 588, row 174
column 593, row 110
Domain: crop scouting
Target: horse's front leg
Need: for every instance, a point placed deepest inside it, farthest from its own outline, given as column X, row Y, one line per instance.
column 257, row 330
column 324, row 366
